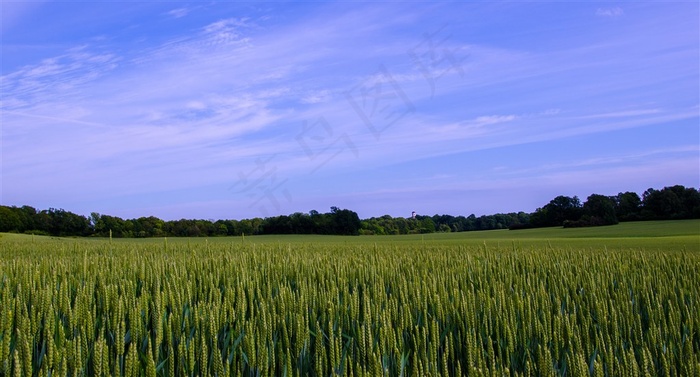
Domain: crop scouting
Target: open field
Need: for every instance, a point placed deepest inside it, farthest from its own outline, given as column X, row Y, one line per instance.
column 644, row 235
column 620, row 300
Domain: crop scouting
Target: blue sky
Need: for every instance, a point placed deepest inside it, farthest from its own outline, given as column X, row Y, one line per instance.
column 238, row 110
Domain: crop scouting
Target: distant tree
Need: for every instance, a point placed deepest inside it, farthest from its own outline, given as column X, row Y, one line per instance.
column 128, row 228
column 628, row 206
column 345, row 222
column 193, row 231
column 599, row 210
column 221, row 228
column 256, row 224
column 42, row 221
column 302, row 223
column 427, row 225
column 661, row 204
column 690, row 201
column 103, row 224
column 9, row 220
column 278, row 225
column 231, row 227
column 373, row 226
column 206, row 227
column 320, row 223
column 558, row 210
column 403, row 226
column 245, row 226
column 64, row 223
column 188, row 228
column 148, row 227
column 540, row 217
column 28, row 216
column 470, row 222
column 390, row 226
column 177, row 228
column 675, row 202
column 523, row 218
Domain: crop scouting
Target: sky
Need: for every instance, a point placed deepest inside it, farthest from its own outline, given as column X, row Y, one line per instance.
column 232, row 110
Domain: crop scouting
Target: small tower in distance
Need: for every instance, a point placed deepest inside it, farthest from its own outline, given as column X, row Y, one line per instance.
column 413, row 214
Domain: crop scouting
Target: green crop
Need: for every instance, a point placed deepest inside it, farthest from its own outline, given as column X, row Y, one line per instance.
column 354, row 309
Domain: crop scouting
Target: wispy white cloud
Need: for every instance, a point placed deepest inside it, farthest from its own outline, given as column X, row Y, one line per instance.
column 494, row 119
column 609, row 12
column 60, row 76
column 316, row 97
column 178, row 12
column 54, row 119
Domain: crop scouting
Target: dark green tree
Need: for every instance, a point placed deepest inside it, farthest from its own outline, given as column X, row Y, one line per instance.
column 345, row 222
column 628, row 206
column 64, row 223
column 675, row 202
column 599, row 210
column 661, row 204
column 9, row 220
column 558, row 210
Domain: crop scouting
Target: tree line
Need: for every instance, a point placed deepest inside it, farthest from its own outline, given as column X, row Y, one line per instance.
column 58, row 222
column 675, row 202
column 440, row 223
column 669, row 203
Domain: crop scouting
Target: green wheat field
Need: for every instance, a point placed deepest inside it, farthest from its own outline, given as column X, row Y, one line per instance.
column 609, row 301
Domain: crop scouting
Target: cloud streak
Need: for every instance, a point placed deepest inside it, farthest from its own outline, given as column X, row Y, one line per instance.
column 190, row 109
column 609, row 12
